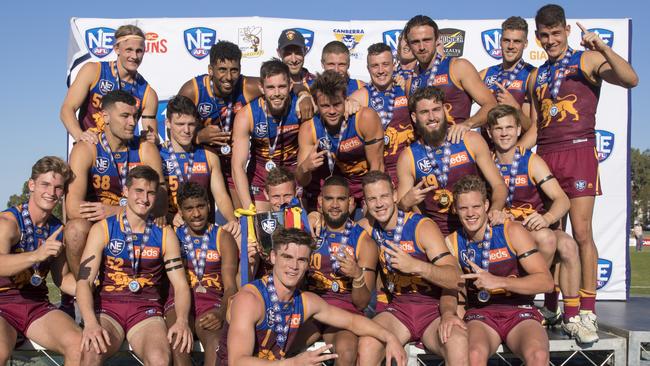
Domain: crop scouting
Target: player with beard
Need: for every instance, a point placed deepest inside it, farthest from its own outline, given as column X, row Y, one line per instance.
column 100, row 172
column 30, row 247
column 504, row 271
column 341, row 270
column 389, row 101
column 332, row 144
column 420, row 274
column 292, row 50
column 533, row 180
column 129, row 255
column 509, row 80
column 570, row 81
column 95, row 79
column 429, row 168
column 271, row 125
column 210, row 257
column 336, row 57
column 266, row 315
column 456, row 76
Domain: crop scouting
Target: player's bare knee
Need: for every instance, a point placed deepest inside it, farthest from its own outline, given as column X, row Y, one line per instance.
column 158, row 357
column 347, row 355
column 536, row 356
column 478, row 356
column 75, row 233
column 568, row 249
column 90, row 358
column 5, row 354
column 369, row 347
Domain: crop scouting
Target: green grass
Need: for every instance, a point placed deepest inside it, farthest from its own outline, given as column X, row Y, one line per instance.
column 640, row 272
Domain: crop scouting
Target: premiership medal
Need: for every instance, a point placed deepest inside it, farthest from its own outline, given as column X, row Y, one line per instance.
column 134, row 286
column 484, row 296
column 36, row 280
column 200, row 289
column 335, row 286
column 225, row 149
column 270, row 165
column 123, row 201
column 445, row 199
column 391, row 286
column 554, row 110
column 379, row 235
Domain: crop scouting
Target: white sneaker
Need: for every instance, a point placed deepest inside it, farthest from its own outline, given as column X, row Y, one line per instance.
column 590, row 321
column 575, row 329
column 551, row 319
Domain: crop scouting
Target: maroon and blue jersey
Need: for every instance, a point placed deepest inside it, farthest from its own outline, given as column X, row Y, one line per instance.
column 200, row 172
column 517, row 87
column 116, row 270
column 568, row 122
column 527, row 198
column 322, row 276
column 458, row 103
column 437, row 204
column 104, row 184
column 90, row 115
column 17, row 288
column 503, row 262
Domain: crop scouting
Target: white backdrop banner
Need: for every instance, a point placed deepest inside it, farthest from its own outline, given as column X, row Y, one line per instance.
column 177, row 49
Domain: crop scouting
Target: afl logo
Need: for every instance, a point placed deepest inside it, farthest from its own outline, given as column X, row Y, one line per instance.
column 424, row 165
column 105, row 86
column 101, row 164
column 604, row 272
column 604, row 144
column 205, row 109
column 308, row 35
column 491, row 40
column 99, row 41
column 269, row 226
column 261, row 130
column 198, row 41
column 542, row 76
column 116, row 246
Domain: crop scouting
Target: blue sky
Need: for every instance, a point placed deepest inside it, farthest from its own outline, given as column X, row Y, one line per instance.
column 34, row 39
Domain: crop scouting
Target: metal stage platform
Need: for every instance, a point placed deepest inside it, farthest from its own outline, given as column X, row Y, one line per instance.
column 630, row 320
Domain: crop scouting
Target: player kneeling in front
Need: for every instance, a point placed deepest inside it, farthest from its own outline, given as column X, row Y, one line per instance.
column 128, row 254
column 267, row 314
column 504, row 271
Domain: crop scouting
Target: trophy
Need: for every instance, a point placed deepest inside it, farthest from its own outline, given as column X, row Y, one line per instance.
column 266, row 223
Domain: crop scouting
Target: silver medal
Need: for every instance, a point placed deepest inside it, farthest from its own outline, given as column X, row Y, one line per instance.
column 123, row 201
column 269, row 165
column 36, row 280
column 134, row 286
column 200, row 289
column 484, row 295
column 554, row 110
column 335, row 286
column 225, row 149
column 390, row 287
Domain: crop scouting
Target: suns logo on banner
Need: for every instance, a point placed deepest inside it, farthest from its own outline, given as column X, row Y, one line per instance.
column 99, row 41
column 391, row 38
column 199, row 40
column 154, row 43
column 350, row 38
column 491, row 40
column 309, row 38
column 604, row 144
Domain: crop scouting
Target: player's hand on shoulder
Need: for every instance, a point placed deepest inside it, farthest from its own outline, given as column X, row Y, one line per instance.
column 89, row 137
column 535, row 221
column 315, row 357
column 94, row 211
column 233, row 228
column 305, row 107
column 591, row 40
column 352, row 106
column 457, row 131
column 497, row 217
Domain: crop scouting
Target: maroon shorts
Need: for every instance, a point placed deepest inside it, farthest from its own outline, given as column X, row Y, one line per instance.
column 341, row 304
column 201, row 304
column 415, row 315
column 576, row 170
column 21, row 315
column 503, row 318
column 129, row 314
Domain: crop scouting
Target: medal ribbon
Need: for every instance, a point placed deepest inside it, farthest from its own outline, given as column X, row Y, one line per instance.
column 440, row 171
column 334, row 144
column 198, row 264
column 128, row 233
column 124, row 171
column 132, row 88
column 386, row 110
column 514, row 167
column 177, row 167
column 556, row 81
column 226, row 122
column 275, row 318
column 380, row 236
column 509, row 76
column 268, row 131
column 430, row 74
column 323, row 239
column 27, row 239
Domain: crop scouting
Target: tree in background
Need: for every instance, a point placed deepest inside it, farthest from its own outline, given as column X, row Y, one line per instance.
column 640, row 184
column 18, row 199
